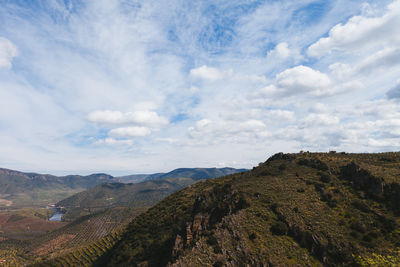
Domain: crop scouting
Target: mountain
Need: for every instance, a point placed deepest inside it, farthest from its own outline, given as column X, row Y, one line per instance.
column 20, row 189
column 29, row 189
column 307, row 209
column 107, row 195
column 194, row 173
column 144, row 194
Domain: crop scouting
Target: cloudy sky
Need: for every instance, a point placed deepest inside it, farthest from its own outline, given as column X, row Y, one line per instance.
column 145, row 86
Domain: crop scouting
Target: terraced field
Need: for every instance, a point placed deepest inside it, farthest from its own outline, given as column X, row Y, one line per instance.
column 89, row 234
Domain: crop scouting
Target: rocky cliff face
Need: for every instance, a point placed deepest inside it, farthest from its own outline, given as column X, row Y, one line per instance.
column 374, row 187
column 208, row 210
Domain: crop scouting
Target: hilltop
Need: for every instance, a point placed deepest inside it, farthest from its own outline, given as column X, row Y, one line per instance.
column 308, row 209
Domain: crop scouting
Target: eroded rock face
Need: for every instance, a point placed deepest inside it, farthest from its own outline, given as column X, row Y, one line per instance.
column 209, row 209
column 363, row 179
column 178, row 246
column 374, row 187
column 320, row 245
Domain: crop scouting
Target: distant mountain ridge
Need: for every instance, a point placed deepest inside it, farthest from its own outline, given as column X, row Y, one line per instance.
column 109, row 195
column 194, row 173
column 19, row 189
column 154, row 188
column 12, row 182
column 29, row 188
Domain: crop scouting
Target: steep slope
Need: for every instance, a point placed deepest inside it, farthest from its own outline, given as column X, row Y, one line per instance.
column 294, row 209
column 107, row 195
column 28, row 189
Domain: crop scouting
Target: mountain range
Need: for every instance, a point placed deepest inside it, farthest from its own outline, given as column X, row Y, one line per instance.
column 19, row 189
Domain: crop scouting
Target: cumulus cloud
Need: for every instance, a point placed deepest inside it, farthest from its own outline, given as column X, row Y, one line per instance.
column 149, row 118
column 361, row 32
column 305, row 81
column 7, row 52
column 302, row 79
column 209, row 73
column 282, row 52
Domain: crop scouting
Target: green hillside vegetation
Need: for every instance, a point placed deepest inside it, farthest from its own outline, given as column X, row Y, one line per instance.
column 109, row 195
column 308, row 209
column 19, row 189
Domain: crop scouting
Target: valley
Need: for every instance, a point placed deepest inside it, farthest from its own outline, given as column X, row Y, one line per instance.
column 33, row 232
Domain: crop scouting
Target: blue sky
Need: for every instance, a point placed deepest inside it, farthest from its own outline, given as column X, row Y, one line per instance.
column 146, row 86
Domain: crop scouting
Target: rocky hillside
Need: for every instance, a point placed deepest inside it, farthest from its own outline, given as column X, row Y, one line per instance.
column 307, row 209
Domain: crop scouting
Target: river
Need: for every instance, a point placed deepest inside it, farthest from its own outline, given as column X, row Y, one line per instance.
column 57, row 215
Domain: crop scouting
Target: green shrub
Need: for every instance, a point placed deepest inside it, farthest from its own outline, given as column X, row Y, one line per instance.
column 279, row 228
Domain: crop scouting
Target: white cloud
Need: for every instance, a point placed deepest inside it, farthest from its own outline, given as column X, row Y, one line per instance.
column 125, row 70
column 149, row 118
column 167, row 140
column 133, row 131
column 361, row 32
column 316, row 120
column 281, row 115
column 302, row 79
column 282, row 52
column 114, row 142
column 7, row 52
column 383, row 59
column 225, row 131
column 341, row 71
column 209, row 73
column 318, row 108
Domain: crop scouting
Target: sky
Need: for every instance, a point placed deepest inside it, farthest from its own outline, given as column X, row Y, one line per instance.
column 127, row 86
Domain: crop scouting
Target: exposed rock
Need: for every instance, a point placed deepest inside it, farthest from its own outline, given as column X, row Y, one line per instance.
column 189, row 235
column 364, row 180
column 178, row 246
column 281, row 156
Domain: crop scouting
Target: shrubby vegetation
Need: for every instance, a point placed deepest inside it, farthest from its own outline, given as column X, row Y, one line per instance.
column 299, row 209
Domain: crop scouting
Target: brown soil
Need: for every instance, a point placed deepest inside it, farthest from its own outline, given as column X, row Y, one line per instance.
column 53, row 244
